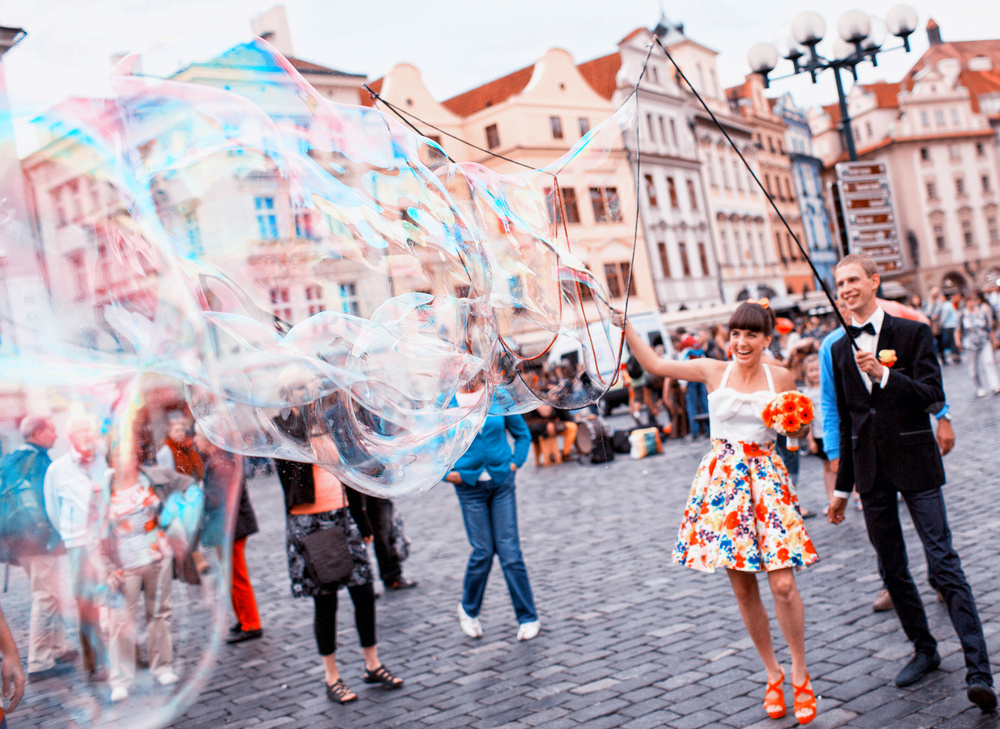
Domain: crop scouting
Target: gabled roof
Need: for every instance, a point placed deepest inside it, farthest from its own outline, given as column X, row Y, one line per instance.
column 602, row 72
column 376, row 86
column 490, row 94
column 832, row 111
column 314, row 68
column 885, row 94
column 977, row 82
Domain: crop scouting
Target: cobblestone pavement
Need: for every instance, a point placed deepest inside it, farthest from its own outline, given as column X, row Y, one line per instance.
column 628, row 639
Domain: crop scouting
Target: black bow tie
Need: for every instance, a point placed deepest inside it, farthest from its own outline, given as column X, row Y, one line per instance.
column 856, row 332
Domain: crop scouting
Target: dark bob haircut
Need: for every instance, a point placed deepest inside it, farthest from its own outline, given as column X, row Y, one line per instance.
column 752, row 317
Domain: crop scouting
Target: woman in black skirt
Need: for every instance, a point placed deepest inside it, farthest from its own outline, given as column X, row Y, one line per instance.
column 315, row 499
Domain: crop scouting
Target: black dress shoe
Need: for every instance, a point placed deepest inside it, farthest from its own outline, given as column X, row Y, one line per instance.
column 402, row 584
column 919, row 666
column 243, row 635
column 982, row 695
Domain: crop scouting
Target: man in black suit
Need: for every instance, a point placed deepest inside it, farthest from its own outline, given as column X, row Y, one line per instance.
column 887, row 382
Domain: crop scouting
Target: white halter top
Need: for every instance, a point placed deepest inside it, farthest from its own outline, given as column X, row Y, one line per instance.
column 736, row 416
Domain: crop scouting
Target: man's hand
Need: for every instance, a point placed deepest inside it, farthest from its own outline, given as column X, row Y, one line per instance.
column 835, row 511
column 513, row 467
column 13, row 682
column 869, row 365
column 453, row 477
column 945, row 436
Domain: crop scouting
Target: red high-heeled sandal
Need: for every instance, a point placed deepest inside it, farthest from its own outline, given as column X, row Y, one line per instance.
column 805, row 709
column 774, row 698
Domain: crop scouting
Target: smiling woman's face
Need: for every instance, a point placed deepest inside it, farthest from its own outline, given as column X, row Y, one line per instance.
column 747, row 346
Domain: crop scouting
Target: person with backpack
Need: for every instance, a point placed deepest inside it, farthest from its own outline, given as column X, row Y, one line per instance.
column 30, row 540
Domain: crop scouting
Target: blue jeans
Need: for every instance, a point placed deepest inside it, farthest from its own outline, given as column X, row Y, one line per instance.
column 489, row 511
column 697, row 404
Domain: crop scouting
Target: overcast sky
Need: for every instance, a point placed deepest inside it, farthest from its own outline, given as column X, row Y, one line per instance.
column 457, row 44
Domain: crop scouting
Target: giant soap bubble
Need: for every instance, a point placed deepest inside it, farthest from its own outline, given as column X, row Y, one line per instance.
column 225, row 246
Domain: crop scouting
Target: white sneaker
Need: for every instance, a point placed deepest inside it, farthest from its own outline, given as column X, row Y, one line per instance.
column 470, row 626
column 980, row 393
column 119, row 694
column 167, row 678
column 527, row 631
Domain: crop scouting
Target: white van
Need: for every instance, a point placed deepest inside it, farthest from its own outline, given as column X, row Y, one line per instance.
column 570, row 347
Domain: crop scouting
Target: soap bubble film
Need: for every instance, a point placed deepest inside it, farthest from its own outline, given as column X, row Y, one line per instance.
column 221, row 249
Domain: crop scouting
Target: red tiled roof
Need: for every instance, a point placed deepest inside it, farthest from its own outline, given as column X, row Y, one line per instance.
column 977, row 82
column 602, row 72
column 832, row 111
column 632, row 35
column 366, row 98
column 931, row 24
column 489, row 94
column 885, row 94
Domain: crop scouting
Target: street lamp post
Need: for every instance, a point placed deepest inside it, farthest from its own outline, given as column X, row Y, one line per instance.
column 861, row 39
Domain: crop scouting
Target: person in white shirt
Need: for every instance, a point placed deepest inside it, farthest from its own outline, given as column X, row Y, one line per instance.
column 76, row 499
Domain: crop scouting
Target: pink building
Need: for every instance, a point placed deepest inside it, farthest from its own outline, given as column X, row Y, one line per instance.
column 937, row 132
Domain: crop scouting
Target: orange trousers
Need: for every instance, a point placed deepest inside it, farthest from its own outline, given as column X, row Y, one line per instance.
column 241, row 593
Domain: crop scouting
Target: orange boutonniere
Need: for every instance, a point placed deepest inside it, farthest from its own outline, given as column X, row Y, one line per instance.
column 887, row 357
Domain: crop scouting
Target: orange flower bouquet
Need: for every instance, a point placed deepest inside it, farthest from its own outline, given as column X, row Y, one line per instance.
column 788, row 413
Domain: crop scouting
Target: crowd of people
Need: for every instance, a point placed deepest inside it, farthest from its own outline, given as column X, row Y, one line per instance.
column 125, row 519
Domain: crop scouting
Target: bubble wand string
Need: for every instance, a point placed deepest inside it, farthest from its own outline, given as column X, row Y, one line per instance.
column 798, row 243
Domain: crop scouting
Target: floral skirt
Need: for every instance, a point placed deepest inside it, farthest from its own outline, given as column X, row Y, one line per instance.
column 742, row 513
column 298, row 526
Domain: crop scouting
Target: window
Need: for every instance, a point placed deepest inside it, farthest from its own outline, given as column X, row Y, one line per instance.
column 604, row 200
column 682, row 252
column 868, row 129
column 986, row 182
column 316, row 309
column 651, row 191
column 737, row 176
column 654, row 76
column 95, row 196
column 673, row 133
column 74, row 194
column 267, row 223
column 954, row 152
column 303, row 225
column 649, row 126
column 283, row 314
column 58, row 202
column 924, row 119
column 672, row 192
column 931, row 191
column 663, row 129
column 314, row 292
column 569, row 208
column 349, row 299
column 191, row 230
column 770, row 143
column 556, row 123
column 692, row 194
column 788, row 189
column 617, row 275
column 967, row 233
column 959, row 186
column 991, row 226
column 79, row 274
column 584, row 124
column 664, row 259
column 492, row 136
column 279, row 295
column 703, row 256
column 793, row 250
column 954, row 116
column 925, row 154
column 767, row 183
column 980, row 149
column 781, row 146
column 939, row 118
column 725, row 173
column 939, row 240
column 711, row 169
column 724, row 245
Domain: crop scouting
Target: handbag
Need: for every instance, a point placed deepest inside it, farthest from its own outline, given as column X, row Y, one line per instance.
column 397, row 536
column 328, row 554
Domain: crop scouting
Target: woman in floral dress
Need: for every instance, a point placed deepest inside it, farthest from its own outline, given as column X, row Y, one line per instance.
column 742, row 514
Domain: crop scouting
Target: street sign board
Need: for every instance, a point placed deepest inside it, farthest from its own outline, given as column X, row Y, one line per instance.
column 866, row 206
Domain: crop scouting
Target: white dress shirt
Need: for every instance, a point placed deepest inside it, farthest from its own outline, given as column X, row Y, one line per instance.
column 868, row 343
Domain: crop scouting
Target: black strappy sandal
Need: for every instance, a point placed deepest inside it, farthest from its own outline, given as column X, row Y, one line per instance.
column 338, row 693
column 381, row 675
